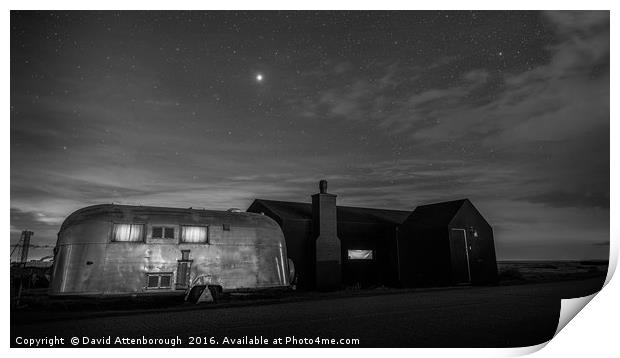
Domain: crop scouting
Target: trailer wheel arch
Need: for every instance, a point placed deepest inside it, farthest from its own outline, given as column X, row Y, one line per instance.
column 292, row 274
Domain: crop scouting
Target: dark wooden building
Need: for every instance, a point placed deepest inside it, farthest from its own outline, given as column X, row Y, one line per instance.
column 446, row 243
column 334, row 246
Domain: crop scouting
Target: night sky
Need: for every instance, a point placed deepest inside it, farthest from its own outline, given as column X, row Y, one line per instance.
column 394, row 109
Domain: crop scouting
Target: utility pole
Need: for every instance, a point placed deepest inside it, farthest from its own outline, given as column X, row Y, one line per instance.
column 25, row 246
column 25, row 239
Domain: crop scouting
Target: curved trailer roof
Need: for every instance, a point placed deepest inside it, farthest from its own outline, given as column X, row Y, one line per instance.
column 166, row 215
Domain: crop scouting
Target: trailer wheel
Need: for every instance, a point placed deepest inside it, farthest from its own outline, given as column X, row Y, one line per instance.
column 195, row 292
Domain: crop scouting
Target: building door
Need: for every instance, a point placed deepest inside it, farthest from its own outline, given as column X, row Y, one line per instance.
column 459, row 252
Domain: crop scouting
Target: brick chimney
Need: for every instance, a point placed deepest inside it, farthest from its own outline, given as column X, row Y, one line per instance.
column 327, row 244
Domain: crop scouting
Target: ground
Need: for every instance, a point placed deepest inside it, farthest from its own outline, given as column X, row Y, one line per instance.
column 498, row 316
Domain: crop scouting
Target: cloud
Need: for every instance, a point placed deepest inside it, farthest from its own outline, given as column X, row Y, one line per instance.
column 44, row 226
column 578, row 22
column 21, row 218
column 478, row 76
column 342, row 67
column 553, row 101
column 572, row 199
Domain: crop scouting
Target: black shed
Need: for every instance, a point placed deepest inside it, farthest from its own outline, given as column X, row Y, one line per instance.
column 367, row 241
column 446, row 243
column 333, row 246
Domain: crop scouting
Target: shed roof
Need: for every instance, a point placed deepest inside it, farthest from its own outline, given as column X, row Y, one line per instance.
column 438, row 214
column 303, row 211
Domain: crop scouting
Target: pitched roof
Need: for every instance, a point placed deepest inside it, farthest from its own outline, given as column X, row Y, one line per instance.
column 303, row 211
column 287, row 209
column 438, row 214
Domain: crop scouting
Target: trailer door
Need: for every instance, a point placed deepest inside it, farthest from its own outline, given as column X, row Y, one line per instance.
column 183, row 269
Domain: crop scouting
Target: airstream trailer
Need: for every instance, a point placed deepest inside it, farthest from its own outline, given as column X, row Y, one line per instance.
column 139, row 250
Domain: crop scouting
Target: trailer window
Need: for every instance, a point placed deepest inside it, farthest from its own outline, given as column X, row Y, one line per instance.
column 194, row 234
column 164, row 281
column 153, row 281
column 161, row 232
column 360, row 254
column 128, row 232
column 158, row 280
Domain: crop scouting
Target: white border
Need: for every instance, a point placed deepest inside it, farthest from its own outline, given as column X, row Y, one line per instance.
column 594, row 330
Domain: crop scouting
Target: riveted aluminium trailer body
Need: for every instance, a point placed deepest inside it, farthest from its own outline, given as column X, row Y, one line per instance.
column 139, row 250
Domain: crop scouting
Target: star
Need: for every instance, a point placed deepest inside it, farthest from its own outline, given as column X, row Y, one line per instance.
column 259, row 77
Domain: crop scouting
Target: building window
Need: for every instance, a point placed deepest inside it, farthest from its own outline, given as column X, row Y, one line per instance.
column 160, row 232
column 360, row 254
column 194, row 234
column 158, row 280
column 226, row 227
column 128, row 232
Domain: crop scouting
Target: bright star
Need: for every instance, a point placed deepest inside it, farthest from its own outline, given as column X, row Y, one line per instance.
column 259, row 77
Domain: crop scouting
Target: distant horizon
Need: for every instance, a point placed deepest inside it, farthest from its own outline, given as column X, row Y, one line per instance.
column 499, row 254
